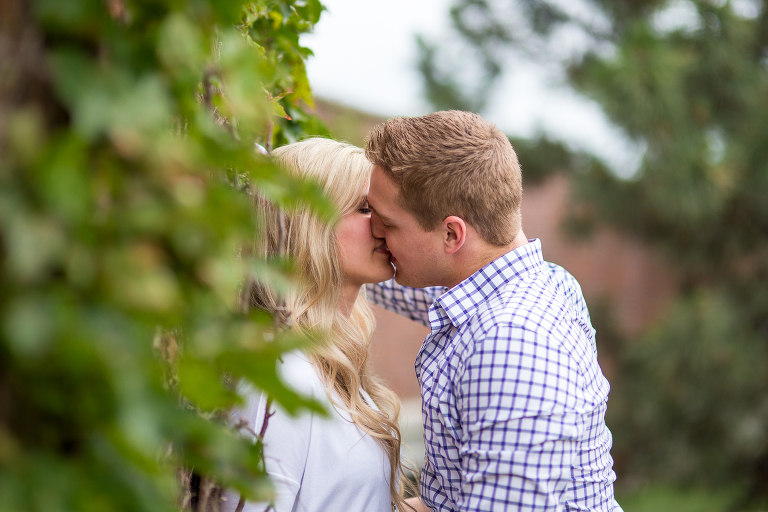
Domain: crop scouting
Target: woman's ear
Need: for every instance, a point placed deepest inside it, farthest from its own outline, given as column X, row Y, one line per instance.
column 454, row 233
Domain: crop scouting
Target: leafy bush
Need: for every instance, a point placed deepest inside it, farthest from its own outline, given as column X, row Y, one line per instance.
column 123, row 126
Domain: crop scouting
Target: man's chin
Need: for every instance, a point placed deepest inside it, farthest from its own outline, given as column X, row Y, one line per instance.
column 404, row 279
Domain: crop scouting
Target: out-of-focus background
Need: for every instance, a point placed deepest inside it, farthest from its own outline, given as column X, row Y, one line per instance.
column 641, row 130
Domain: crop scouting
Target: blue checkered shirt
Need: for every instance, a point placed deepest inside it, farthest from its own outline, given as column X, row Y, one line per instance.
column 513, row 399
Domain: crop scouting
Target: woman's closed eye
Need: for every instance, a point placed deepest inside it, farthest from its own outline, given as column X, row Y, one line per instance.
column 364, row 208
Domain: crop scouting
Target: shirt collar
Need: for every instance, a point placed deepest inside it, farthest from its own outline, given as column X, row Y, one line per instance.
column 461, row 301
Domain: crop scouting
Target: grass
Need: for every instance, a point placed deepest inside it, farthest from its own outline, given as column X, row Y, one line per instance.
column 660, row 498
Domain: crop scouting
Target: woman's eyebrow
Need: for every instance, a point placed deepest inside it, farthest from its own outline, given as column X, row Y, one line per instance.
column 379, row 214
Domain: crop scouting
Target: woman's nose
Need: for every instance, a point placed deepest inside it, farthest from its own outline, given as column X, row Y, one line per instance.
column 377, row 226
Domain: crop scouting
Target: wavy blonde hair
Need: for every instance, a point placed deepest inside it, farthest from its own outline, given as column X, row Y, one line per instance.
column 343, row 363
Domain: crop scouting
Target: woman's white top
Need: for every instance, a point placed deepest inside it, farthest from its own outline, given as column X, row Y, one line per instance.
column 317, row 464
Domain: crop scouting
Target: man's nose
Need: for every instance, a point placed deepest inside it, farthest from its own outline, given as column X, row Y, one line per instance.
column 377, row 226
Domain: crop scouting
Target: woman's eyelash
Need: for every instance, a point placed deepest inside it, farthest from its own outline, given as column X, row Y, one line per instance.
column 365, row 209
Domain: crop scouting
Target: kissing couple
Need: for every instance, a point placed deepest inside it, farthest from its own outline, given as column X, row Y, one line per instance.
column 513, row 398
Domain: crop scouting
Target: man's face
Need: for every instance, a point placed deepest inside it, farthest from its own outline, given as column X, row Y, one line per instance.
column 418, row 255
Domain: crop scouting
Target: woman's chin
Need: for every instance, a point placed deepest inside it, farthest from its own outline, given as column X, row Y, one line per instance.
column 384, row 273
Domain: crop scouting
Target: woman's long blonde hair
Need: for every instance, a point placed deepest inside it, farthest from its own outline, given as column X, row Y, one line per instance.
column 344, row 172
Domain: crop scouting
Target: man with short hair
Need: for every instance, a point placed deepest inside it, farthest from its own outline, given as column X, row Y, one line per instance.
column 513, row 399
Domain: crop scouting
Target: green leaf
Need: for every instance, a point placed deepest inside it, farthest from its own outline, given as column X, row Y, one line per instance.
column 63, row 178
column 180, row 44
column 35, row 244
column 29, row 324
column 201, row 382
column 279, row 110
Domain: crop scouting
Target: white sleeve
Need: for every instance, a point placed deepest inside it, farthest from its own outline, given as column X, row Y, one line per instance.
column 413, row 303
column 286, row 446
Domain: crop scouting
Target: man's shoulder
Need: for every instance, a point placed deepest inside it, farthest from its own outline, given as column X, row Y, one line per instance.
column 550, row 288
column 562, row 277
column 537, row 303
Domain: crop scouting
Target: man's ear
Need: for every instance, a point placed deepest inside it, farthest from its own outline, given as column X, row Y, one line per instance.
column 454, row 233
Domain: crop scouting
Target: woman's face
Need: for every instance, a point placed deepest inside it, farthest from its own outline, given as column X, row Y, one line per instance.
column 364, row 259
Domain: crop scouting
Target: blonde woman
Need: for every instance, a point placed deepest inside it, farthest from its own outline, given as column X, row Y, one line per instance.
column 349, row 461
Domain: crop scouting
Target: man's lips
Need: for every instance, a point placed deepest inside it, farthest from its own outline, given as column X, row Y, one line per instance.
column 383, row 249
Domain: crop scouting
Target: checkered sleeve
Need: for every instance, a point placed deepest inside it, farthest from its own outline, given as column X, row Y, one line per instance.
column 519, row 422
column 573, row 294
column 409, row 302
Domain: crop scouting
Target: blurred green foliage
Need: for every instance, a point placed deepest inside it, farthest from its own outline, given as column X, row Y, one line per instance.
column 687, row 80
column 667, row 498
column 124, row 125
column 540, row 156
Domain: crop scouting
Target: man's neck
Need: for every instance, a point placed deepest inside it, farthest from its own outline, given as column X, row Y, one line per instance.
column 483, row 256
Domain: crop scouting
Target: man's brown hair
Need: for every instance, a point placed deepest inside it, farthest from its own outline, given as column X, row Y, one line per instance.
column 452, row 163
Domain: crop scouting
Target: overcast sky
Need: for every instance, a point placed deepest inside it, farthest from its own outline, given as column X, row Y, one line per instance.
column 365, row 57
